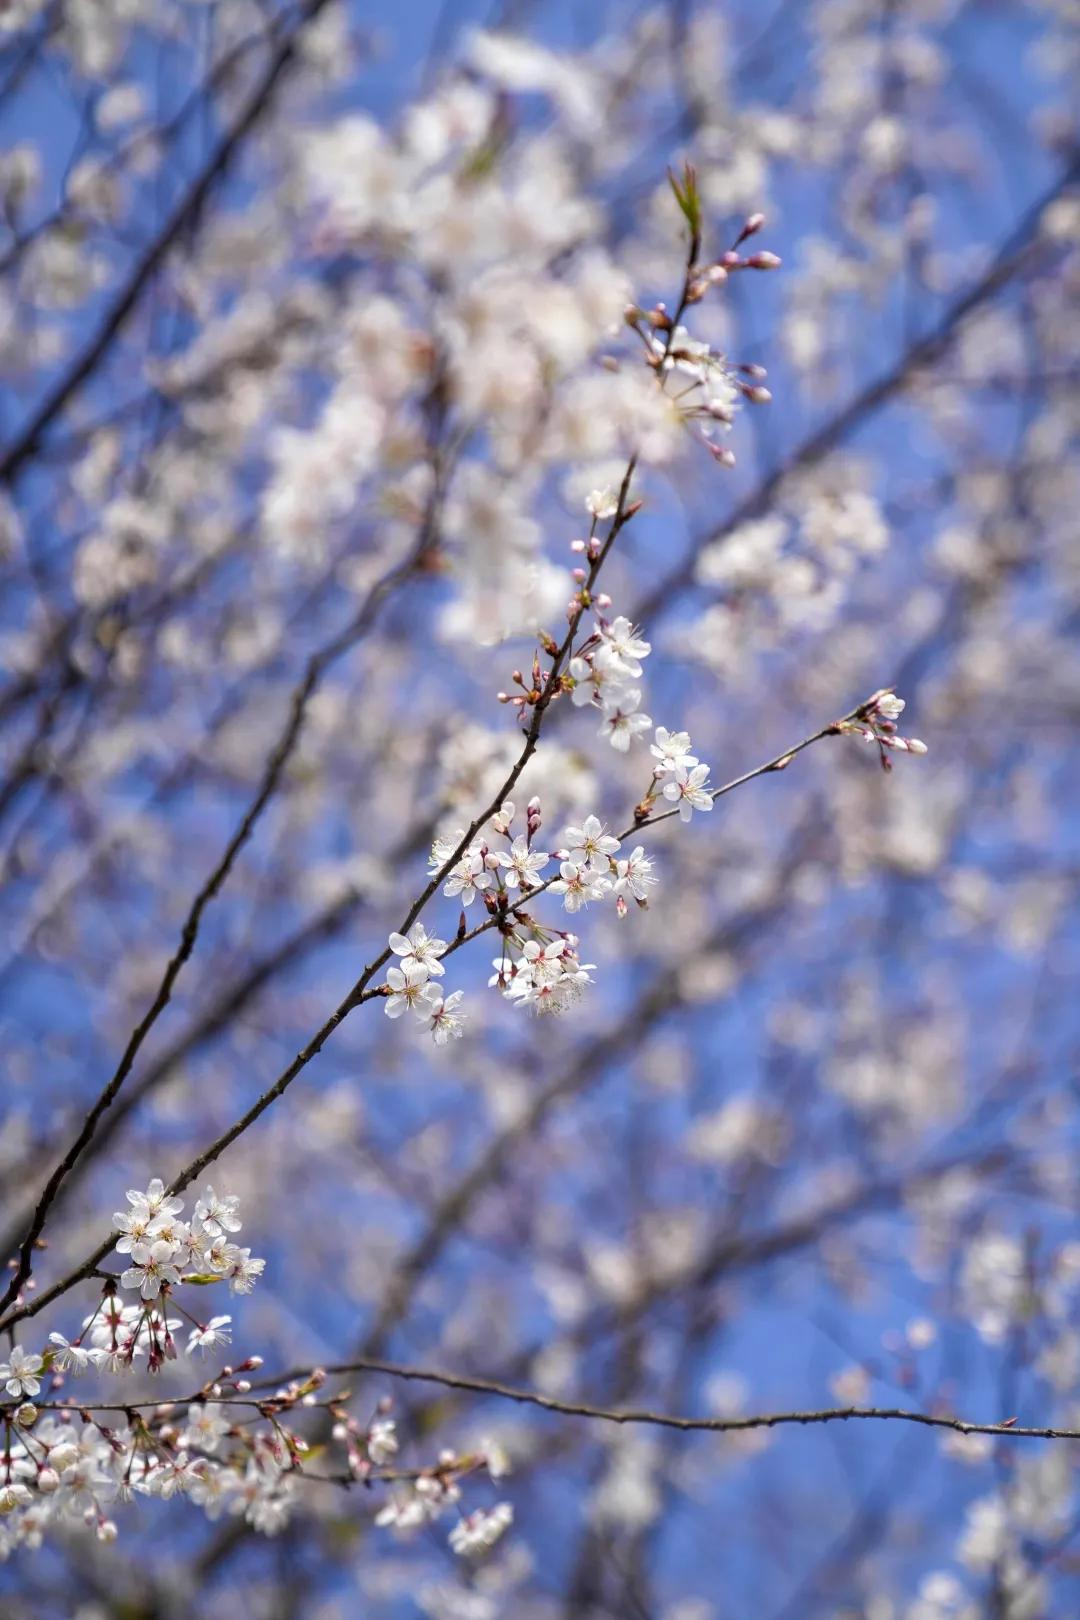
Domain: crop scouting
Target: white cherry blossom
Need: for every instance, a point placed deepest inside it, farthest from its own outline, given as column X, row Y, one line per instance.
column 687, row 789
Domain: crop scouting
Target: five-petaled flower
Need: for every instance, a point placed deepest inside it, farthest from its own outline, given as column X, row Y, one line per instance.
column 19, row 1372
column 687, row 789
column 406, row 990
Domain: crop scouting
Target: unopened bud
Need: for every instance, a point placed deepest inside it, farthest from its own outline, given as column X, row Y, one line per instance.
column 763, row 261
column 757, row 395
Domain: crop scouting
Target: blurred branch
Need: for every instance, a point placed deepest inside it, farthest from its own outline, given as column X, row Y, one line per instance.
column 186, row 212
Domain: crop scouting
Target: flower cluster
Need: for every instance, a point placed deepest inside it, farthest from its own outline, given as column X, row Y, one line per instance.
column 496, row 874
column 164, row 1251
column 876, row 721
column 410, row 985
column 603, row 672
column 58, row 1474
column 162, row 1247
column 678, row 774
column 367, row 1448
column 70, row 1470
column 420, row 1501
column 708, row 402
column 543, row 971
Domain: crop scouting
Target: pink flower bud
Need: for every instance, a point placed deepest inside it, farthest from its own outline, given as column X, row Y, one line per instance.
column 763, row 261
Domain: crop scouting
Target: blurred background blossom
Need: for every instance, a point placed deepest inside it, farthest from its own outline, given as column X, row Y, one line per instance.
column 312, row 343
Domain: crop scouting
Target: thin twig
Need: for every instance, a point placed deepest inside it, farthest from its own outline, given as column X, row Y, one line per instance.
column 600, row 1414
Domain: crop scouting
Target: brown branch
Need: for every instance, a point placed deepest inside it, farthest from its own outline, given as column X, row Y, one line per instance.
column 665, row 1420
column 602, row 1414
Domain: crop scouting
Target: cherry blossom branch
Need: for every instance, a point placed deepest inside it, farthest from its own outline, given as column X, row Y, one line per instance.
column 859, row 719
column 359, row 992
column 637, row 1416
column 316, row 667
column 1011, row 259
column 362, row 991
column 664, row 1420
column 546, row 690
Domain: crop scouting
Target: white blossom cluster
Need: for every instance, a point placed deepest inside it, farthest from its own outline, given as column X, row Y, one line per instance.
column 59, row 1475
column 419, row 1502
column 163, row 1252
column 604, row 671
column 56, row 1472
column 66, row 1467
column 411, row 985
column 161, row 1247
